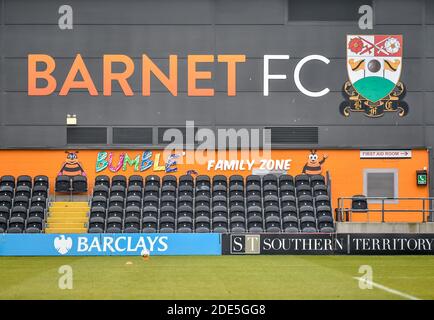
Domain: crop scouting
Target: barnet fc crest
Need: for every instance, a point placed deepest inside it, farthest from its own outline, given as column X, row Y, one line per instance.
column 374, row 64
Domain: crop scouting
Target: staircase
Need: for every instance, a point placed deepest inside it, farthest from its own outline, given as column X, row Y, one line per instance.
column 67, row 217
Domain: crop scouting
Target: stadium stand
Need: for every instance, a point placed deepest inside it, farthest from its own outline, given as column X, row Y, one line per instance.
column 169, row 204
column 23, row 204
column 210, row 204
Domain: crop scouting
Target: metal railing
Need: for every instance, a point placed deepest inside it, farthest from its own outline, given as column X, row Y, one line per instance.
column 344, row 212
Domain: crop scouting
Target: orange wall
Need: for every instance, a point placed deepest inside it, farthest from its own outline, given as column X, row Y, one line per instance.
column 345, row 168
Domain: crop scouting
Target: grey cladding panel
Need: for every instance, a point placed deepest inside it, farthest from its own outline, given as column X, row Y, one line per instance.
column 320, row 10
column 285, row 108
column 301, row 40
column 247, row 108
column 372, row 136
column 111, row 11
column 80, row 135
column 164, row 130
column 399, row 11
column 34, row 136
column 429, row 11
column 294, row 135
column 250, row 11
column 132, row 135
column 97, row 40
column 159, row 108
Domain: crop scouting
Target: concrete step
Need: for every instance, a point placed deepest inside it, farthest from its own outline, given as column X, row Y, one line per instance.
column 65, row 230
column 69, row 204
column 67, row 214
column 67, row 225
column 68, row 219
column 68, row 209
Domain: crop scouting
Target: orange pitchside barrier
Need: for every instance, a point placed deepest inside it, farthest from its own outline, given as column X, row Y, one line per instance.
column 346, row 169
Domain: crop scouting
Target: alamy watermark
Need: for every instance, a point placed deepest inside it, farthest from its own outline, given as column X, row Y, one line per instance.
column 66, row 280
column 202, row 145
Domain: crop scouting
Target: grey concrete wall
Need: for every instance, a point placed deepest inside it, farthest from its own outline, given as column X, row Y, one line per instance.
column 252, row 27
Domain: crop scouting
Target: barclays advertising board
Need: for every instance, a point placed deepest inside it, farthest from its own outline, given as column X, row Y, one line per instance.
column 108, row 244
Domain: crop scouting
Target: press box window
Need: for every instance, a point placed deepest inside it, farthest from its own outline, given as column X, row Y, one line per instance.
column 330, row 10
column 381, row 183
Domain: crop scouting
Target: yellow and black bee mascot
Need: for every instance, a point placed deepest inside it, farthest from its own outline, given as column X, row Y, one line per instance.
column 313, row 166
column 71, row 167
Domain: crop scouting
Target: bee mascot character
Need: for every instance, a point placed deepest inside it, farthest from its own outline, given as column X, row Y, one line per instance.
column 313, row 166
column 72, row 167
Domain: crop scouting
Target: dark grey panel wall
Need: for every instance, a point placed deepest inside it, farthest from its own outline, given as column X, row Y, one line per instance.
column 252, row 27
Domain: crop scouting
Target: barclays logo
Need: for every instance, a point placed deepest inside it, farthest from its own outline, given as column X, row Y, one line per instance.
column 121, row 244
column 110, row 244
column 63, row 244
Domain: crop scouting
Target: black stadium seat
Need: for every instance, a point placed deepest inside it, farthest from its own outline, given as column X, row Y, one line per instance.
column 22, row 190
column 152, row 181
column 24, row 181
column 302, row 180
column 219, row 180
column 3, row 226
column 40, row 191
column 4, row 215
column 5, row 201
column 102, row 180
column 79, row 184
column 96, row 227
column 220, row 227
column 269, row 179
column 101, row 190
column 316, row 180
column 117, row 190
column 167, row 227
column 319, row 190
column 359, row 203
column 41, row 181
column 135, row 180
column 286, row 180
column 132, row 214
column 169, row 180
column 7, row 191
column 7, row 181
column 119, row 180
column 134, row 190
column 131, row 227
column 21, row 201
column 202, row 227
column 149, row 227
column 236, row 180
column 63, row 184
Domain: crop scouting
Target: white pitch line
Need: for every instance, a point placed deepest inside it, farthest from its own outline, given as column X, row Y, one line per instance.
column 393, row 291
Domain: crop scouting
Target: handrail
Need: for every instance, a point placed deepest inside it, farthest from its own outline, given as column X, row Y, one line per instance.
column 341, row 209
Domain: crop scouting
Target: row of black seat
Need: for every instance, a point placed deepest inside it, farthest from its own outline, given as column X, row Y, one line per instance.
column 20, row 219
column 23, row 201
column 235, row 190
column 315, row 218
column 24, row 180
column 188, row 201
column 206, row 227
column 204, row 180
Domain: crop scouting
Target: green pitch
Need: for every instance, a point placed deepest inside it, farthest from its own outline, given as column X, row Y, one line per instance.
column 220, row 277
